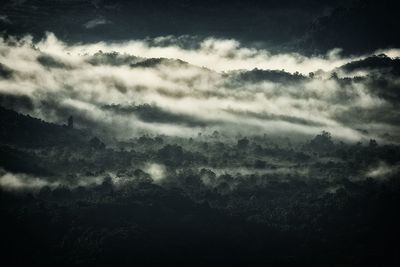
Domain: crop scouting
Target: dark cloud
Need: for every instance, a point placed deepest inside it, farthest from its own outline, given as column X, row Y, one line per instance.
column 386, row 88
column 5, row 72
column 21, row 103
column 252, row 21
column 359, row 27
column 383, row 115
column 154, row 114
column 18, row 161
column 51, row 62
column 274, row 117
column 314, row 26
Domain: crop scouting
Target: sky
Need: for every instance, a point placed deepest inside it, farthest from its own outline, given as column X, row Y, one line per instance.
column 307, row 26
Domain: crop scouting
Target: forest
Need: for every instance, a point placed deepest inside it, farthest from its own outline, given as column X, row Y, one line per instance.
column 159, row 200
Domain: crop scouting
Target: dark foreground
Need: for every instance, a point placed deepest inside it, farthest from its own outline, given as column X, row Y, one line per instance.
column 319, row 203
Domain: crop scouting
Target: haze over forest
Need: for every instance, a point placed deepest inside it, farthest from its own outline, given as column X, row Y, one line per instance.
column 199, row 133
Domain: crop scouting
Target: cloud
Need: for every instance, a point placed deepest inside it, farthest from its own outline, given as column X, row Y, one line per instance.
column 382, row 171
column 5, row 72
column 5, row 19
column 134, row 87
column 96, row 22
column 156, row 171
column 11, row 181
column 359, row 27
column 216, row 54
column 154, row 114
column 16, row 102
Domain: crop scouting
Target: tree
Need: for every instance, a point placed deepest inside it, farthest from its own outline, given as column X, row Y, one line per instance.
column 373, row 143
column 243, row 143
column 322, row 142
column 71, row 122
column 96, row 143
column 171, row 154
column 260, row 164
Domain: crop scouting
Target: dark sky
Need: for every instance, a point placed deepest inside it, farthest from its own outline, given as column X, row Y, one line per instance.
column 309, row 26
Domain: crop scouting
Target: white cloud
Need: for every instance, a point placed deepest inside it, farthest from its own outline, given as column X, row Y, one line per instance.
column 96, row 22
column 215, row 54
column 382, row 171
column 76, row 86
column 11, row 181
column 156, row 171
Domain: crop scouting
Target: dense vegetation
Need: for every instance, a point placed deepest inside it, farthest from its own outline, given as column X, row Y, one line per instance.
column 209, row 200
